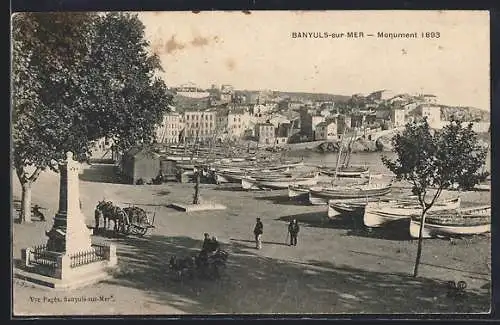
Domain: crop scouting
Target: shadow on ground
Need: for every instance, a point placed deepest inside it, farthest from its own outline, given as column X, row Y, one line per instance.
column 256, row 284
column 398, row 230
column 101, row 173
column 282, row 199
column 230, row 188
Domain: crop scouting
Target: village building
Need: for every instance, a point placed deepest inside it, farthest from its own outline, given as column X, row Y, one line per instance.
column 277, row 119
column 326, row 130
column 262, row 110
column 433, row 114
column 381, row 95
column 308, row 122
column 140, row 163
column 343, row 124
column 265, row 133
column 170, row 129
column 397, row 117
column 280, row 141
column 199, row 125
column 284, row 130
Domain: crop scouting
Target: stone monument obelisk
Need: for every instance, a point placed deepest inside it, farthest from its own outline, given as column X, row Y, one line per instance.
column 69, row 233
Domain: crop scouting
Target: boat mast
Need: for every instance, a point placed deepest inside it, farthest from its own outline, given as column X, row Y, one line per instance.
column 339, row 154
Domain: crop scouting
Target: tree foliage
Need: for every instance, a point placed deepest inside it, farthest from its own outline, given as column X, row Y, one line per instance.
column 435, row 160
column 77, row 77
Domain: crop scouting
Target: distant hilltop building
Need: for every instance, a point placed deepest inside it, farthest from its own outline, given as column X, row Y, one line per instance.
column 192, row 91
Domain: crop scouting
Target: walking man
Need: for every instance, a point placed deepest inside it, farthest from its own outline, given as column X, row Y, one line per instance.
column 97, row 217
column 293, row 229
column 258, row 231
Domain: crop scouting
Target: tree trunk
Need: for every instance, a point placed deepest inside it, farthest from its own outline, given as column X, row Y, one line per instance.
column 196, row 198
column 419, row 249
column 25, row 216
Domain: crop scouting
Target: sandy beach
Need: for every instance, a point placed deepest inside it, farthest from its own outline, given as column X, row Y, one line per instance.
column 336, row 267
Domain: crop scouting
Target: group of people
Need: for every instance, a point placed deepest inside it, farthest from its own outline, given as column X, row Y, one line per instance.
column 293, row 231
column 210, row 244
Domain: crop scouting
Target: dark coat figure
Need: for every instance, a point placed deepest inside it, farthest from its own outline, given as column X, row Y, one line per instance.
column 214, row 244
column 258, row 231
column 97, row 218
column 206, row 243
column 38, row 213
column 293, row 229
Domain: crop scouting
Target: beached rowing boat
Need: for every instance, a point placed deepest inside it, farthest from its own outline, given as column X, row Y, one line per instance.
column 380, row 213
column 346, row 171
column 277, row 182
column 469, row 221
column 301, row 192
column 321, row 195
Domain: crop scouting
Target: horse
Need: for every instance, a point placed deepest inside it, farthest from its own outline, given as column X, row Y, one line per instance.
column 112, row 212
column 181, row 266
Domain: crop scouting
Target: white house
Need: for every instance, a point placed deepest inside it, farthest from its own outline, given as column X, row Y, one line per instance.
column 326, row 131
column 433, row 114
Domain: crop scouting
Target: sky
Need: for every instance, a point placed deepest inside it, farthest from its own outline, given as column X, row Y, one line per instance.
column 256, row 51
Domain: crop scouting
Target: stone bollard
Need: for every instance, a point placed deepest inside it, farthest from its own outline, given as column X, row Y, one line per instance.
column 111, row 256
column 25, row 256
column 63, row 266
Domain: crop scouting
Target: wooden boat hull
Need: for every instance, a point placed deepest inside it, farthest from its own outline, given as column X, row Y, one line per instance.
column 278, row 183
column 298, row 193
column 431, row 231
column 378, row 214
column 345, row 208
column 322, row 196
column 472, row 221
column 347, row 172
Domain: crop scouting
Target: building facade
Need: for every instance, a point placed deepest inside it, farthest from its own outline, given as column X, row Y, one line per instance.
column 433, row 114
column 199, row 125
column 326, row 131
column 398, row 117
column 265, row 133
column 170, row 128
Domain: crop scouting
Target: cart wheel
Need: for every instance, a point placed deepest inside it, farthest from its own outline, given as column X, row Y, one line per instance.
column 126, row 229
column 142, row 231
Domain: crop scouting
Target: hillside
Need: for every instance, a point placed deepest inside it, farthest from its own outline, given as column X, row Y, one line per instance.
column 468, row 114
column 182, row 103
column 300, row 95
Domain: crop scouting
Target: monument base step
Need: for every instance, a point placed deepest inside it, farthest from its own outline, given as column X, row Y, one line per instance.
column 39, row 280
column 197, row 207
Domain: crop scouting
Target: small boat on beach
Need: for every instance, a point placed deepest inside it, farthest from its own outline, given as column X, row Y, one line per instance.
column 468, row 221
column 301, row 192
column 273, row 182
column 346, row 171
column 321, row 195
column 380, row 213
column 355, row 207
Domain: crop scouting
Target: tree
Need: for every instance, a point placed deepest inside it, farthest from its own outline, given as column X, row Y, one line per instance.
column 433, row 161
column 48, row 55
column 76, row 78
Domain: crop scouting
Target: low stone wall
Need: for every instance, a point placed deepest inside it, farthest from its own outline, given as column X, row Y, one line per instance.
column 63, row 266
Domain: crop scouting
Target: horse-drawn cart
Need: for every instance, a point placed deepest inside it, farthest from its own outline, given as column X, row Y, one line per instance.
column 139, row 221
column 131, row 220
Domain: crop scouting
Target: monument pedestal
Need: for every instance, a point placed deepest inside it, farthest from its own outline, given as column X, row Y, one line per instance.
column 69, row 259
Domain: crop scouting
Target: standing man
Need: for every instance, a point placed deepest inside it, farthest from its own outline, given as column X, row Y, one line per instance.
column 258, row 231
column 206, row 242
column 293, row 229
column 97, row 217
